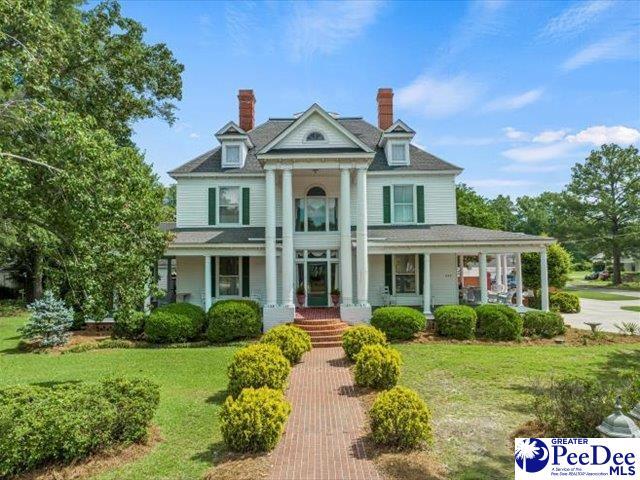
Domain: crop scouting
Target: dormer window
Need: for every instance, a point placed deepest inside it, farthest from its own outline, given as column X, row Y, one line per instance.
column 398, row 152
column 233, row 154
column 315, row 136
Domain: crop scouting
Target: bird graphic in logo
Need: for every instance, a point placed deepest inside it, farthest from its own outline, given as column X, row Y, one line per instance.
column 532, row 455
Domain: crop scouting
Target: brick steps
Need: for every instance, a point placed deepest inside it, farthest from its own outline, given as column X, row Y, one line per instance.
column 323, row 325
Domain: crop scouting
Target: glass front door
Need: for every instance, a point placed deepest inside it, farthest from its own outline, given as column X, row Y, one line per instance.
column 317, row 288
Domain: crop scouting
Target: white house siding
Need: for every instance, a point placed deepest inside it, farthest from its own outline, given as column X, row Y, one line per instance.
column 192, row 196
column 444, row 289
column 190, row 278
column 333, row 137
column 439, row 195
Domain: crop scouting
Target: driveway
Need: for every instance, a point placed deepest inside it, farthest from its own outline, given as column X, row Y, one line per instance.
column 608, row 313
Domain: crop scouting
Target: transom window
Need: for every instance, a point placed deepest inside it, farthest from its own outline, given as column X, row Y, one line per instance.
column 403, row 204
column 405, row 273
column 316, row 212
column 229, row 276
column 315, row 137
column 229, row 210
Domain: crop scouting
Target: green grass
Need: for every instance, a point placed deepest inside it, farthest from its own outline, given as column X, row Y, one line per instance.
column 192, row 383
column 479, row 394
column 576, row 280
column 631, row 308
column 606, row 296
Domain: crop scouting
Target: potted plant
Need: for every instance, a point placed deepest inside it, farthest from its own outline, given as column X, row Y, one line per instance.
column 335, row 296
column 301, row 294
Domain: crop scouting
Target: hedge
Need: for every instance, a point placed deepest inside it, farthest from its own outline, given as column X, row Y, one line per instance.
column 128, row 324
column 245, row 301
column 67, row 422
column 398, row 323
column 564, row 302
column 543, row 324
column 456, row 321
column 498, row 322
column 231, row 320
column 292, row 341
column 354, row 338
column 166, row 327
column 258, row 365
column 377, row 366
column 197, row 314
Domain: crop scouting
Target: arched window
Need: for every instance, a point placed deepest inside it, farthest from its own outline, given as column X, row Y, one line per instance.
column 315, row 137
column 315, row 212
column 316, row 192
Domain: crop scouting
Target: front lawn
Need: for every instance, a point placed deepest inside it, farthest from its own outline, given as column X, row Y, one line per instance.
column 480, row 394
column 577, row 280
column 631, row 308
column 596, row 295
column 192, row 383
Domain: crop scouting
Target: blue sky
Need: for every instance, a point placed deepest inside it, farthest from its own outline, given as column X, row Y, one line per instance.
column 514, row 92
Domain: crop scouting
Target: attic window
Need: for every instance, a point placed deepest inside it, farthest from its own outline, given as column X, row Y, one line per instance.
column 315, row 137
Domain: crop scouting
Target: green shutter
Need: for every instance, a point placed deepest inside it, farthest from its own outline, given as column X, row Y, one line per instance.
column 245, row 206
column 386, row 204
column 420, row 200
column 245, row 276
column 213, row 276
column 212, row 206
column 421, row 273
column 388, row 273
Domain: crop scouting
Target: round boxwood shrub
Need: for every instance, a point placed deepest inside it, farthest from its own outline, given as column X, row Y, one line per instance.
column 354, row 338
column 400, row 418
column 543, row 324
column 398, row 323
column 254, row 422
column 564, row 302
column 232, row 320
column 292, row 341
column 258, row 365
column 499, row 322
column 456, row 321
column 251, row 303
column 128, row 324
column 377, row 366
column 165, row 327
column 194, row 312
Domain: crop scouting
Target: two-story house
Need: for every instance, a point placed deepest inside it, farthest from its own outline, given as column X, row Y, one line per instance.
column 326, row 202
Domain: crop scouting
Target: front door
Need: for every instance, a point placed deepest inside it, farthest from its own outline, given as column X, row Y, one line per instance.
column 317, row 284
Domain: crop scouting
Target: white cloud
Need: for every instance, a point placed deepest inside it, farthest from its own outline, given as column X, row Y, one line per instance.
column 550, row 136
column 514, row 102
column 601, row 134
column 531, row 168
column 575, row 19
column 497, row 182
column 194, row 135
column 321, row 27
column 621, row 46
column 533, row 154
column 517, row 135
column 438, row 97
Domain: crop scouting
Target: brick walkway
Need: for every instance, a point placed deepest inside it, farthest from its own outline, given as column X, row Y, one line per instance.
column 324, row 435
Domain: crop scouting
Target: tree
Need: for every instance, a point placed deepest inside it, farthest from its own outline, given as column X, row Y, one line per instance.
column 170, row 203
column 474, row 210
column 505, row 209
column 603, row 202
column 558, row 266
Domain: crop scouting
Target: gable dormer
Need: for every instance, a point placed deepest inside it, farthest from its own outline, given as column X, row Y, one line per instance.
column 235, row 143
column 395, row 140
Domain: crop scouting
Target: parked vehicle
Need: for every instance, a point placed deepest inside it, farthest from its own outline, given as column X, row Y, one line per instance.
column 592, row 276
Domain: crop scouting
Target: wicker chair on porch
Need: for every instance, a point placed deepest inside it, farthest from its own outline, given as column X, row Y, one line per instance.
column 387, row 298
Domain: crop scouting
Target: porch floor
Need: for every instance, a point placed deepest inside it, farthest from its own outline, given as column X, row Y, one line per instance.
column 317, row 313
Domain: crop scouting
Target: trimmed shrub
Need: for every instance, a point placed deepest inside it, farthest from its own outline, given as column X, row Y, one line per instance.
column 245, row 301
column 456, row 321
column 400, row 418
column 50, row 321
column 543, row 324
column 233, row 320
column 564, row 302
column 196, row 314
column 354, row 338
column 498, row 322
column 377, row 366
column 292, row 341
column 128, row 324
column 254, row 422
column 165, row 327
column 398, row 323
column 258, row 365
column 115, row 343
column 71, row 421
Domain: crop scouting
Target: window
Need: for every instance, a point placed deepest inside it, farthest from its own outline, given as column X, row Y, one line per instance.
column 229, row 276
column 229, row 211
column 405, row 273
column 315, row 137
column 398, row 153
column 316, row 212
column 403, row 204
column 232, row 154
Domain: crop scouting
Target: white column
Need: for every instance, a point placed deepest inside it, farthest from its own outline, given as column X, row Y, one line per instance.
column 519, row 303
column 461, row 265
column 426, row 285
column 270, row 238
column 207, row 282
column 498, row 261
column 505, row 269
column 345, row 237
column 484, row 296
column 544, row 281
column 287, row 238
column 361, row 238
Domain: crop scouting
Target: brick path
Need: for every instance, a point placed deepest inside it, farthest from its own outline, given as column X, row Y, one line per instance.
column 324, row 435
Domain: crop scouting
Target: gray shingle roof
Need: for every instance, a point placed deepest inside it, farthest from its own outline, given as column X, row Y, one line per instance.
column 261, row 135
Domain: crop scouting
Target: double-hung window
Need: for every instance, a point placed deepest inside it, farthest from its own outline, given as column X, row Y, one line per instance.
column 406, row 274
column 229, row 276
column 403, row 204
column 229, row 210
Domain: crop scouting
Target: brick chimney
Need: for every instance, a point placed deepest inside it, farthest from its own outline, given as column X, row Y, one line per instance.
column 385, row 108
column 246, row 106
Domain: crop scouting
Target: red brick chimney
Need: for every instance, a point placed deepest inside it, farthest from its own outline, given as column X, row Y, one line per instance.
column 385, row 108
column 246, row 106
